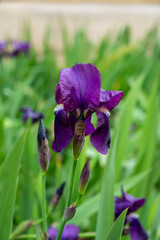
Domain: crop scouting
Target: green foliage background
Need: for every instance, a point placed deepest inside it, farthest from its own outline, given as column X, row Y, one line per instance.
column 134, row 158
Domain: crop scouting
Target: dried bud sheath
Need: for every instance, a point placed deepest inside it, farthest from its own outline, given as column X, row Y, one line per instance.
column 84, row 178
column 43, row 148
column 79, row 138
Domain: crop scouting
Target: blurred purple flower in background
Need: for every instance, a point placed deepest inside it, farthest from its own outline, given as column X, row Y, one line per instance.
column 70, row 232
column 80, row 95
column 29, row 113
column 135, row 229
column 19, row 47
column 13, row 48
column 2, row 48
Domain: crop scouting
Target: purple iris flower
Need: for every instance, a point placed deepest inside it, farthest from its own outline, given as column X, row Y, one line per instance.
column 70, row 232
column 135, row 229
column 19, row 47
column 29, row 113
column 79, row 95
column 2, row 48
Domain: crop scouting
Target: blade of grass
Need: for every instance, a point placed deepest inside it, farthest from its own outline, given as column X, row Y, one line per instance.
column 8, row 186
column 124, row 123
column 106, row 207
column 117, row 227
column 90, row 207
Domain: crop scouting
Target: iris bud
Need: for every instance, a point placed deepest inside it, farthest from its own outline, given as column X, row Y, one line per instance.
column 43, row 148
column 69, row 213
column 84, row 178
column 56, row 197
column 79, row 138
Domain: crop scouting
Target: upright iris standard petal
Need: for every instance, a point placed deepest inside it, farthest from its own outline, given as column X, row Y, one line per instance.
column 110, row 99
column 137, row 232
column 80, row 87
column 70, row 232
column 58, row 95
column 100, row 138
column 62, row 130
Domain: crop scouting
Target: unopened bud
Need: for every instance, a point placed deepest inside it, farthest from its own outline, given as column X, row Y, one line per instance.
column 43, row 148
column 69, row 213
column 79, row 138
column 22, row 227
column 84, row 178
column 56, row 197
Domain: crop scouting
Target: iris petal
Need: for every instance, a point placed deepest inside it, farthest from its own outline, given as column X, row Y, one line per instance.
column 58, row 95
column 110, row 99
column 70, row 232
column 89, row 126
column 120, row 206
column 62, row 130
column 137, row 232
column 100, row 138
column 80, row 87
column 136, row 203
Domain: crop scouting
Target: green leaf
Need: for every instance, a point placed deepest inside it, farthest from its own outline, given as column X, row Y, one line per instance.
column 8, row 186
column 90, row 207
column 117, row 227
column 123, row 125
column 106, row 207
column 148, row 140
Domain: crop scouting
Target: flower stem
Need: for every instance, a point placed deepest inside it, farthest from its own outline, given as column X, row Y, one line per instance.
column 87, row 235
column 44, row 204
column 69, row 198
column 71, row 182
column 60, row 230
column 78, row 200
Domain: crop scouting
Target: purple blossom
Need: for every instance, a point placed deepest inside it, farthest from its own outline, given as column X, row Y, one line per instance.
column 70, row 232
column 2, row 48
column 29, row 113
column 133, row 204
column 19, row 47
column 13, row 48
column 79, row 95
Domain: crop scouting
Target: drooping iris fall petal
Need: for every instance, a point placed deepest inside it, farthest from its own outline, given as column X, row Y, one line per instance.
column 110, row 99
column 137, row 232
column 62, row 131
column 120, row 206
column 80, row 87
column 89, row 126
column 100, row 138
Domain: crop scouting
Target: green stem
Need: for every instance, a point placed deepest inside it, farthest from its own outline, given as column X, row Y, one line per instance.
column 44, row 204
column 78, row 200
column 26, row 236
column 68, row 203
column 60, row 230
column 81, row 235
column 87, row 235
